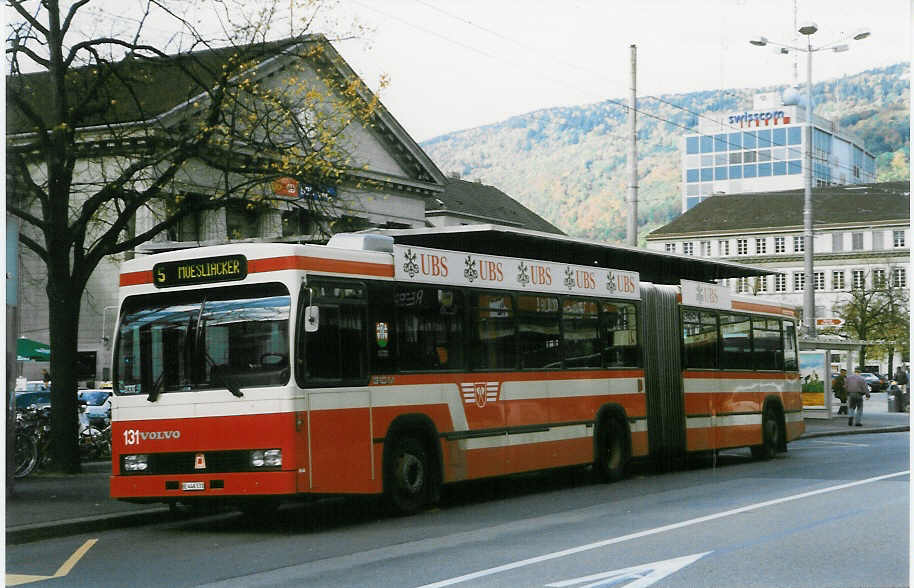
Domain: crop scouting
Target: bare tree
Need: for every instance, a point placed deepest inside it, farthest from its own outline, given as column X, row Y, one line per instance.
column 107, row 129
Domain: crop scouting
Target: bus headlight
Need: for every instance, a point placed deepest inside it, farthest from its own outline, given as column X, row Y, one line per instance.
column 266, row 458
column 136, row 463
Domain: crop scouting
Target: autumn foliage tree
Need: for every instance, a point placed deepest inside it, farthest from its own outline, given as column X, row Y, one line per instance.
column 879, row 313
column 104, row 130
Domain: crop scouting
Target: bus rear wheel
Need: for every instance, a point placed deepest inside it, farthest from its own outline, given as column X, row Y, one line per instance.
column 771, row 436
column 612, row 458
column 407, row 477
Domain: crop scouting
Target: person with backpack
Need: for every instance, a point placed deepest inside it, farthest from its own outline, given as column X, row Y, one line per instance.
column 856, row 389
column 839, row 388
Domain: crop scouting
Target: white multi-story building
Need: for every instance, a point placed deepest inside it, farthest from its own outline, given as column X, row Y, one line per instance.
column 862, row 238
column 762, row 150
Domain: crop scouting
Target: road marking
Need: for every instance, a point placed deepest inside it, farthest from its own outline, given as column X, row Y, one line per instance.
column 844, row 443
column 63, row 570
column 655, row 531
column 644, row 575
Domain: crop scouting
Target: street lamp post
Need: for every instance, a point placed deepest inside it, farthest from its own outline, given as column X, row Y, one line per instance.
column 809, row 29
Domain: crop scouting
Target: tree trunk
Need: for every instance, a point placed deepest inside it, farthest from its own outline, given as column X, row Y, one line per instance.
column 63, row 314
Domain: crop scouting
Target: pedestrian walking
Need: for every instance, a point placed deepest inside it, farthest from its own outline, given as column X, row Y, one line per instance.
column 901, row 378
column 839, row 388
column 856, row 389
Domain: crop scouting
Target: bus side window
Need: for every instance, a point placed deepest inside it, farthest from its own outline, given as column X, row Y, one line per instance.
column 337, row 351
column 581, row 333
column 790, row 347
column 538, row 332
column 493, row 344
column 699, row 339
column 429, row 328
column 735, row 342
column 620, row 329
column 767, row 344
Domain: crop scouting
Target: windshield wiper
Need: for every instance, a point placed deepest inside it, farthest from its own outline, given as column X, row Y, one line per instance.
column 156, row 388
column 217, row 374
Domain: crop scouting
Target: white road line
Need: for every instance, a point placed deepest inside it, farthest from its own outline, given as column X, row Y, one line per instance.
column 655, row 531
column 839, row 443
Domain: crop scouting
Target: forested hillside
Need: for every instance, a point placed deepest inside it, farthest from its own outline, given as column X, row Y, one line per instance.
column 569, row 164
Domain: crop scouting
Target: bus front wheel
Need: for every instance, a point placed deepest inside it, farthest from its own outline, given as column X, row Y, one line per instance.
column 611, row 454
column 407, row 479
column 771, row 436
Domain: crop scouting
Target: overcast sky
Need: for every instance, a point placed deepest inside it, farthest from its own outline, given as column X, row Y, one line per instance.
column 462, row 63
column 456, row 64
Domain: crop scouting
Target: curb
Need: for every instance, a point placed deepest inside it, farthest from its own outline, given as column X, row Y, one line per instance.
column 856, row 431
column 38, row 531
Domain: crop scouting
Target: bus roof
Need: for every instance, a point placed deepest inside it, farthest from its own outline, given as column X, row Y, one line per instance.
column 653, row 266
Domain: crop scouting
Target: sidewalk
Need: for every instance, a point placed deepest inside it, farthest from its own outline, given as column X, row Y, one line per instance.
column 54, row 505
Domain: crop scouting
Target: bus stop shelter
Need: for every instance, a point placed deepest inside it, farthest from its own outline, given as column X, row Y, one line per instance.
column 826, row 345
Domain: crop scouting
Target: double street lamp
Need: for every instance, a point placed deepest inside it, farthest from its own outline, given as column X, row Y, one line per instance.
column 809, row 29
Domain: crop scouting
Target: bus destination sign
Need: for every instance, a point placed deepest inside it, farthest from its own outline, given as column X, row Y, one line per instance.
column 227, row 268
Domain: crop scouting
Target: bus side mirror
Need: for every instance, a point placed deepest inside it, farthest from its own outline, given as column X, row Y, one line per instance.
column 312, row 318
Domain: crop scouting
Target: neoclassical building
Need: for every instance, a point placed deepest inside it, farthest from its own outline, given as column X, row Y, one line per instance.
column 862, row 236
column 392, row 184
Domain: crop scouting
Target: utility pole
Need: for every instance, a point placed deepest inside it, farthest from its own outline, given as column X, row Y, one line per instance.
column 632, row 232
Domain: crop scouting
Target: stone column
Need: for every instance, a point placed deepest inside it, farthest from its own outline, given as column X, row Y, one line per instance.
column 270, row 222
column 213, row 226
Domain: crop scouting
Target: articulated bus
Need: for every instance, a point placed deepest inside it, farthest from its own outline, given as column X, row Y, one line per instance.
column 252, row 373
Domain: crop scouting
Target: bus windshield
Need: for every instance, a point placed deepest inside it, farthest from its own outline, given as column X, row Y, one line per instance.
column 231, row 338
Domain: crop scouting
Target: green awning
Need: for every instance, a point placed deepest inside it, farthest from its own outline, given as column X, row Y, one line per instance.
column 29, row 350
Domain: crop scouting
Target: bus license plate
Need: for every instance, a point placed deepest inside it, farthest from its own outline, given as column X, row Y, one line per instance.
column 192, row 486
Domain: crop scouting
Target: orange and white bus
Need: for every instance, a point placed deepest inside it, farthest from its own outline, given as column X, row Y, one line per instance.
column 261, row 371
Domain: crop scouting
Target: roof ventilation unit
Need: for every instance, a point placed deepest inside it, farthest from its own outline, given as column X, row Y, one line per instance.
column 362, row 242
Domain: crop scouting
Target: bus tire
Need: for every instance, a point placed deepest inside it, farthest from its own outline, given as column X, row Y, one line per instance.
column 612, row 454
column 771, row 436
column 407, row 476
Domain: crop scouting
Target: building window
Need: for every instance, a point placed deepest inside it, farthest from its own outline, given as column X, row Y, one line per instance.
column 780, row 283
column 742, row 246
column 798, row 244
column 669, row 247
column 742, row 285
column 761, row 284
column 761, row 246
column 799, row 282
column 819, row 280
column 724, row 248
column 692, row 144
column 858, row 279
column 857, row 241
column 897, row 238
column 706, row 249
column 688, row 248
column 837, row 241
column 779, row 245
column 898, row 277
column 878, row 278
column 837, row 280
column 877, row 240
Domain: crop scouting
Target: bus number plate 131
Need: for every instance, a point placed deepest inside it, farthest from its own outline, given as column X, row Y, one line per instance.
column 192, row 486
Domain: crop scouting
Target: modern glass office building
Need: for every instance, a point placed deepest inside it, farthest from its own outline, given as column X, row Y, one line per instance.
column 762, row 150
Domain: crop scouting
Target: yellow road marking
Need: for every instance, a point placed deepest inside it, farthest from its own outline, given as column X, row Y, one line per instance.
column 63, row 570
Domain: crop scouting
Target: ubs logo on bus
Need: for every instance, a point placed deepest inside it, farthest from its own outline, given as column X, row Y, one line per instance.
column 479, row 393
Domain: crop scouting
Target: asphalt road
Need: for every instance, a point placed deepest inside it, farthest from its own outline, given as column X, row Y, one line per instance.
column 831, row 512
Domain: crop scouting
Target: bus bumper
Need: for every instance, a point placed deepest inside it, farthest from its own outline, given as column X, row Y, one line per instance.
column 190, row 486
